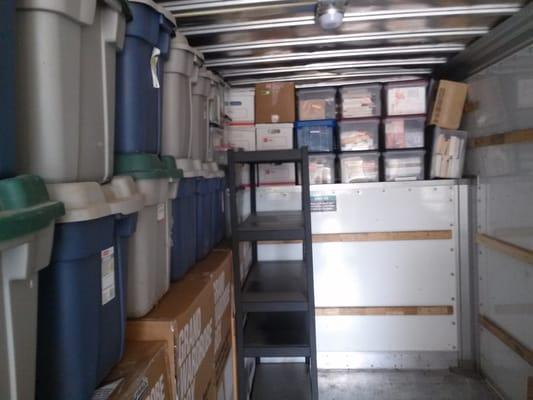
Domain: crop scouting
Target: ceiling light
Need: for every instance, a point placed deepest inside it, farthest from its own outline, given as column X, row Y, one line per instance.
column 330, row 13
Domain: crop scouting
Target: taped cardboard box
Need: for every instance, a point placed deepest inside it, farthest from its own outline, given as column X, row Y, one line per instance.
column 449, row 104
column 275, row 103
column 143, row 373
column 184, row 320
column 217, row 269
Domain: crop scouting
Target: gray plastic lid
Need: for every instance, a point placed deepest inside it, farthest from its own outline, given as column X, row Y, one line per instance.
column 122, row 195
column 167, row 14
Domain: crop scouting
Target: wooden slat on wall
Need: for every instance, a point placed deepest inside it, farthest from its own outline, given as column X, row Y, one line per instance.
column 374, row 236
column 519, row 136
column 509, row 340
column 512, row 250
column 393, row 310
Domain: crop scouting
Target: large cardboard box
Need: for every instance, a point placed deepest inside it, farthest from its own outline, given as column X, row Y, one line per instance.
column 274, row 103
column 143, row 373
column 449, row 103
column 184, row 320
column 217, row 269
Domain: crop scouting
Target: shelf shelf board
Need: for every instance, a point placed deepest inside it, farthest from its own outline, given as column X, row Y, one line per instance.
column 276, row 334
column 288, row 381
column 272, row 225
column 268, row 156
column 276, row 286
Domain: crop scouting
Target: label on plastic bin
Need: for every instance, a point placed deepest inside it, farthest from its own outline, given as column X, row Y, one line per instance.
column 153, row 66
column 108, row 275
column 160, row 212
column 323, row 203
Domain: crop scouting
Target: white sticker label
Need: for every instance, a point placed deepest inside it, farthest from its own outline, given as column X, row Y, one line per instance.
column 160, row 212
column 154, row 60
column 108, row 275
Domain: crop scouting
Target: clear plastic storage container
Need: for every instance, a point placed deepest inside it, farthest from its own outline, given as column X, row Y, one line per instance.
column 321, row 169
column 406, row 98
column 316, row 135
column 316, row 103
column 448, row 156
column 361, row 101
column 404, row 132
column 359, row 134
column 359, row 167
column 404, row 165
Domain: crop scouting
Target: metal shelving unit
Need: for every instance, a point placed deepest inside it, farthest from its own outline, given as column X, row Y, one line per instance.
column 275, row 307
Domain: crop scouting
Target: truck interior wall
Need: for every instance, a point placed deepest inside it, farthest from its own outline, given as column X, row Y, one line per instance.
column 499, row 120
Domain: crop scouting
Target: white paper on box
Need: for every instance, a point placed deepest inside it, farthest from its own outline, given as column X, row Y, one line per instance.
column 108, row 274
column 406, row 100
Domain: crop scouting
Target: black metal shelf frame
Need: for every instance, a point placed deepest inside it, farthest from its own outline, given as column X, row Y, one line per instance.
column 275, row 308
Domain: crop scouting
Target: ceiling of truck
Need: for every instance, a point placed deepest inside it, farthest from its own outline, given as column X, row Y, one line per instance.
column 248, row 41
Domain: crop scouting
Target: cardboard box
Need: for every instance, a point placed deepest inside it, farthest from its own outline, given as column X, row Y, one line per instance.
column 217, row 269
column 449, row 103
column 274, row 103
column 274, row 136
column 225, row 381
column 239, row 105
column 143, row 373
column 276, row 174
column 184, row 320
column 240, row 137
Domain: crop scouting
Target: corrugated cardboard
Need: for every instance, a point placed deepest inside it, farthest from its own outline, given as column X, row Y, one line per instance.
column 184, row 320
column 217, row 268
column 143, row 373
column 449, row 104
column 274, row 103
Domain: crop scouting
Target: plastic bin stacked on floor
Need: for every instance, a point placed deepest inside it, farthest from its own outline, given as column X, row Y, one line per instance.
column 27, row 217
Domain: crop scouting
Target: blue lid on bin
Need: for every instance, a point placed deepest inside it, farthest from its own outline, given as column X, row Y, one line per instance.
column 316, row 122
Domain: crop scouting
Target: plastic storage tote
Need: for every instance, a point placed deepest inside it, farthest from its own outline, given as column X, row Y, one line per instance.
column 200, row 122
column 63, row 48
column 220, row 220
column 406, row 98
column 177, row 100
column 205, row 190
column 404, row 132
column 148, row 271
column 405, row 165
column 7, row 94
column 316, row 135
column 321, row 169
column 138, row 113
column 361, row 101
column 78, row 295
column 359, row 134
column 449, row 148
column 274, row 136
column 359, row 167
column 26, row 233
column 316, row 104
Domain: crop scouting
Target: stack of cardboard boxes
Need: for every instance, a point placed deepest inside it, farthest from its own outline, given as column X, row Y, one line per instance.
column 180, row 349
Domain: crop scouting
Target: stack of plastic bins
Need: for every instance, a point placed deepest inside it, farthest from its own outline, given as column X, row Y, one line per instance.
column 200, row 122
column 63, row 49
column 125, row 202
column 205, row 188
column 26, row 233
column 219, row 219
column 77, row 289
column 177, row 99
column 138, row 105
column 148, row 275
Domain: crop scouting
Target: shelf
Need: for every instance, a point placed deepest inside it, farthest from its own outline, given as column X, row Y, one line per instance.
column 276, row 334
column 268, row 156
column 287, row 381
column 270, row 225
column 276, row 286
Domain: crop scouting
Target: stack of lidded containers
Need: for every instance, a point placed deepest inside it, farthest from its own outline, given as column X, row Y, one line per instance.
column 89, row 83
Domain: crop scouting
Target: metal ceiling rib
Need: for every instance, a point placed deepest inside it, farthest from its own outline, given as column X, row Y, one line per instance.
column 249, row 41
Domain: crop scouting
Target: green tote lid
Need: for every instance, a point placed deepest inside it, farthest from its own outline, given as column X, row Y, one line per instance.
column 140, row 166
column 170, row 165
column 25, row 206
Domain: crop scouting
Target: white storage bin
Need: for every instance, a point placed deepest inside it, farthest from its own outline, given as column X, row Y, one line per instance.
column 276, row 174
column 240, row 137
column 239, row 105
column 321, row 169
column 315, row 104
column 361, row 101
column 359, row 167
column 406, row 98
column 448, row 156
column 359, row 134
column 274, row 136
column 404, row 132
column 404, row 165
column 66, row 53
